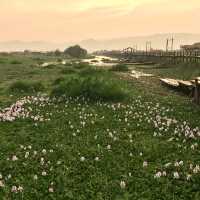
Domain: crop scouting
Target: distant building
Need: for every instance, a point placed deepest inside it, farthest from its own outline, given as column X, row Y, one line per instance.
column 195, row 46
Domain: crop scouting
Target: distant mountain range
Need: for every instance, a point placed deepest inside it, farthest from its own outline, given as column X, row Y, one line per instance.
column 158, row 42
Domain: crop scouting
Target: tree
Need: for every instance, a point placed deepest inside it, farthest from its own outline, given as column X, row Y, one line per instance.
column 76, row 51
column 57, row 52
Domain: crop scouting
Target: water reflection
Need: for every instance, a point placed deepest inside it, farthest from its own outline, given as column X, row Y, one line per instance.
column 101, row 61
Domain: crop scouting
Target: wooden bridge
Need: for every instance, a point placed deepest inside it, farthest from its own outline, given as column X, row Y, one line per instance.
column 133, row 55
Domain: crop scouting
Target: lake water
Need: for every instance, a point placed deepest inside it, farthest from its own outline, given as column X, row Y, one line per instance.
column 101, row 61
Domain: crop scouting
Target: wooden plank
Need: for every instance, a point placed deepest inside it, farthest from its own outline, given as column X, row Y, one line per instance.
column 185, row 83
column 170, row 82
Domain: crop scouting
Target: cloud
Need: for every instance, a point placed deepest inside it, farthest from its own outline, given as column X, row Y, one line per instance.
column 68, row 5
column 64, row 20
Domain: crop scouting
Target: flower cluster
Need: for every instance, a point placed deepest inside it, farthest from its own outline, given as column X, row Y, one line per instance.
column 22, row 109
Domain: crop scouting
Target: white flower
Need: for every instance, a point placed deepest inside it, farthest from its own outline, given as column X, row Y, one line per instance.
column 44, row 151
column 158, row 175
column 82, row 159
column 167, row 164
column 9, row 176
column 181, row 162
column 1, row 176
column 176, row 164
column 27, row 154
column 145, row 164
column 188, row 177
column 59, row 162
column 164, row 173
column 51, row 190
column 42, row 161
column 191, row 166
column 122, row 184
column 110, row 134
column 20, row 189
column 97, row 159
column 44, row 173
column 176, row 175
column 109, row 147
column 14, row 158
column 1, row 184
column 71, row 126
column 35, row 177
column 14, row 189
column 196, row 169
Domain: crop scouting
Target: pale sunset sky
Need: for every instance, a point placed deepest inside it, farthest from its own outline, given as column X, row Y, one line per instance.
column 70, row 20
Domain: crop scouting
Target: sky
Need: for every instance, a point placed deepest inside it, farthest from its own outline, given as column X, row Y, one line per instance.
column 72, row 20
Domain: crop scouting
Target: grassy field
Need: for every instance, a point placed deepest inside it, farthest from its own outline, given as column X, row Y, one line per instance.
column 143, row 145
column 183, row 71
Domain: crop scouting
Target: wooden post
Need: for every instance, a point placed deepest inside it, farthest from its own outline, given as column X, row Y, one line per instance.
column 197, row 91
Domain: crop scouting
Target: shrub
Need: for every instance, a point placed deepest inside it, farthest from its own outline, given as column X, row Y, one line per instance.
column 15, row 62
column 68, row 70
column 68, row 64
column 27, row 87
column 38, row 59
column 120, row 68
column 2, row 61
column 57, row 52
column 96, row 88
column 91, row 71
column 76, row 51
column 80, row 65
column 58, row 80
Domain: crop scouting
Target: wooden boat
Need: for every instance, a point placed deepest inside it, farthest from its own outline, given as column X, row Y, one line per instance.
column 185, row 83
column 194, row 80
column 170, row 82
column 181, row 85
column 187, row 87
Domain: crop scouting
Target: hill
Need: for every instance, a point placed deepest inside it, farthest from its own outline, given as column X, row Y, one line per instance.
column 158, row 42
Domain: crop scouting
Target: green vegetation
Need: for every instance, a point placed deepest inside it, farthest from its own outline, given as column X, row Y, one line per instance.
column 15, row 62
column 68, row 70
column 26, row 86
column 58, row 52
column 185, row 71
column 76, row 52
column 120, row 68
column 95, row 88
column 117, row 138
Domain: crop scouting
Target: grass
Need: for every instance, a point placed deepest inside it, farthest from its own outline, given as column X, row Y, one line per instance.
column 15, row 62
column 26, row 87
column 120, row 68
column 68, row 70
column 91, row 85
column 183, row 71
column 80, row 149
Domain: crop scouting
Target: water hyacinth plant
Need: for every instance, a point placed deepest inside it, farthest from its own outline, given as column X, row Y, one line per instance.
column 26, row 87
column 96, row 135
column 95, row 88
